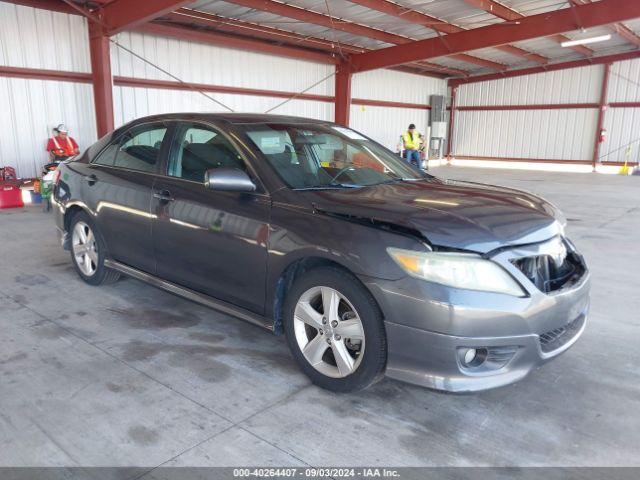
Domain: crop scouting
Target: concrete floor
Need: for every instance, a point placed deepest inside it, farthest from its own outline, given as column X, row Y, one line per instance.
column 128, row 375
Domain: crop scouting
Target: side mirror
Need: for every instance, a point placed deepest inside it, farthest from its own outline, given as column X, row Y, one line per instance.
column 228, row 180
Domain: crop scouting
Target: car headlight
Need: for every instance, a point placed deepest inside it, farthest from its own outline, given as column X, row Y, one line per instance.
column 458, row 270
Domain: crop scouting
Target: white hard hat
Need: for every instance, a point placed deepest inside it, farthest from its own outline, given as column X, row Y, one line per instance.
column 62, row 128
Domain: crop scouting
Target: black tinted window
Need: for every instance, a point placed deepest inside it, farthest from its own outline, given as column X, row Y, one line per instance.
column 199, row 148
column 138, row 149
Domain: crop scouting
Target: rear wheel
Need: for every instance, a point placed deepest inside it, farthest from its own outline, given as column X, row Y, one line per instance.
column 88, row 251
column 335, row 330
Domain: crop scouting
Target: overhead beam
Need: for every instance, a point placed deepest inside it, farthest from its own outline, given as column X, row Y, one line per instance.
column 506, row 13
column 619, row 57
column 239, row 43
column 433, row 23
column 308, row 16
column 546, row 24
column 622, row 30
column 122, row 15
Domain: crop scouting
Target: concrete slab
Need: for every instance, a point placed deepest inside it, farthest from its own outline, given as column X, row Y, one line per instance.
column 129, row 375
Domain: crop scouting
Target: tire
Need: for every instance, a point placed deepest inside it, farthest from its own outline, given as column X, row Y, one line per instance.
column 315, row 338
column 88, row 251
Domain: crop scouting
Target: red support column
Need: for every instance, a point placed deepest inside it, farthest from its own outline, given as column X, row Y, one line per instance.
column 602, row 107
column 343, row 94
column 452, row 118
column 101, row 78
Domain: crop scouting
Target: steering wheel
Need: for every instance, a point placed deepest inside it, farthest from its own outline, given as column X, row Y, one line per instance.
column 342, row 170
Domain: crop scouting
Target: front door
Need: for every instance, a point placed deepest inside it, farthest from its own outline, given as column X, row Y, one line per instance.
column 210, row 241
column 118, row 187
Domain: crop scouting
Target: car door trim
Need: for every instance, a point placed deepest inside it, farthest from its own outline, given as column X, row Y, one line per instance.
column 197, row 297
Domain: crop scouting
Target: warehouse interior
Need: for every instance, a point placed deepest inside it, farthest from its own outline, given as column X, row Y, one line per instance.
column 539, row 95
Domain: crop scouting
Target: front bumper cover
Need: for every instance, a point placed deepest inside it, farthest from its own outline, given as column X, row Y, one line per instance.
column 429, row 325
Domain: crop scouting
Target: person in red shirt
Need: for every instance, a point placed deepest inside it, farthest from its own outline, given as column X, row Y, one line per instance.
column 61, row 146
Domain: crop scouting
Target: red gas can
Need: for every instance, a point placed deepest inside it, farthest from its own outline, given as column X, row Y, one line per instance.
column 10, row 195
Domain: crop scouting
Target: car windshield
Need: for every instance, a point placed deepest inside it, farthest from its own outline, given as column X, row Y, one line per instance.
column 327, row 156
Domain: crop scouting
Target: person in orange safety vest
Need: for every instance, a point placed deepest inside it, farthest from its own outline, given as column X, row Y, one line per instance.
column 61, row 145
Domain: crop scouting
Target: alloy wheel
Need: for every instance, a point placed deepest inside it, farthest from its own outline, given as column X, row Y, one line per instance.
column 85, row 250
column 329, row 332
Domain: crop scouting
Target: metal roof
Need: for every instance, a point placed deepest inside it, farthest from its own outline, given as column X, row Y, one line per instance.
column 386, row 30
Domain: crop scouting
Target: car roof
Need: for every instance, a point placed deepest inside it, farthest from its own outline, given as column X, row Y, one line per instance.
column 236, row 118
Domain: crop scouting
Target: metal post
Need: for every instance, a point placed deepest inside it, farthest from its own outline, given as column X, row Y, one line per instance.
column 343, row 94
column 451, row 123
column 101, row 78
column 602, row 107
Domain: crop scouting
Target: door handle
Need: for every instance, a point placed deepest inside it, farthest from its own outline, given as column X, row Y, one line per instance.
column 163, row 196
column 91, row 179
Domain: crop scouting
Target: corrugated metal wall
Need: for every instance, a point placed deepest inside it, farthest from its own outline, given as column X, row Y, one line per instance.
column 535, row 134
column 386, row 124
column 200, row 63
column 576, row 85
column 131, row 103
column 33, row 38
column 207, row 64
column 622, row 142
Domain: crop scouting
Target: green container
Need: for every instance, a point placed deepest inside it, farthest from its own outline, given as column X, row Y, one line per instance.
column 45, row 190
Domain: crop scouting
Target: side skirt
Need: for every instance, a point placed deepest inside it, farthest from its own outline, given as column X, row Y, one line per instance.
column 197, row 297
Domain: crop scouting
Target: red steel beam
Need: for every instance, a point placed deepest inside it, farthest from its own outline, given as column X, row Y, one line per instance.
column 622, row 30
column 203, row 87
column 120, row 81
column 40, row 74
column 420, row 18
column 619, row 57
column 235, row 42
column 602, row 107
column 354, row 28
column 506, row 13
column 52, row 5
column 122, row 15
column 527, row 28
column 342, row 104
column 101, row 78
column 549, row 106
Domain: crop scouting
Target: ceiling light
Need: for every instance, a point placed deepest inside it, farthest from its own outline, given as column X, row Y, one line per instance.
column 584, row 41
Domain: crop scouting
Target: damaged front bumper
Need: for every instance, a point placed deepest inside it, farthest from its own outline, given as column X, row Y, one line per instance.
column 463, row 340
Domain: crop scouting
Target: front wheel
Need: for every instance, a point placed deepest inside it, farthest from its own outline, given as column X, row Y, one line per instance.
column 335, row 330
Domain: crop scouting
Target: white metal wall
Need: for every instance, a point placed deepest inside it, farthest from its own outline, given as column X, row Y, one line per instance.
column 622, row 142
column 33, row 38
column 200, row 63
column 131, row 103
column 547, row 134
column 575, row 85
column 386, row 124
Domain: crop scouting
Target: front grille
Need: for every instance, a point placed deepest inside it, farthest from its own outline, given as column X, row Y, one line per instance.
column 549, row 273
column 554, row 339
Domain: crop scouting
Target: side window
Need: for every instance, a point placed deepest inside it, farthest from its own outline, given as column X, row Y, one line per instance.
column 199, row 148
column 138, row 149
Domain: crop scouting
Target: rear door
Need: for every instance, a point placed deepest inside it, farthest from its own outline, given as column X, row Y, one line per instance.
column 210, row 241
column 118, row 188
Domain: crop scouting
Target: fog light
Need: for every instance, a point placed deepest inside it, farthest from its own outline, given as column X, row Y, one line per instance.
column 470, row 356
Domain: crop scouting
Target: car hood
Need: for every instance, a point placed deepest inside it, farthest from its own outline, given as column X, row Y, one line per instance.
column 449, row 214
